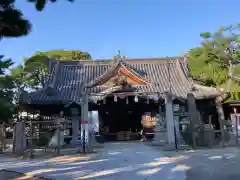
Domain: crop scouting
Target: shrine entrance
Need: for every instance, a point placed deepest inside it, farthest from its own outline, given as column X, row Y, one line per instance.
column 121, row 109
column 121, row 118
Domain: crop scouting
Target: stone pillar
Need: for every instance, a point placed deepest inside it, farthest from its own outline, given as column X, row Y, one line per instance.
column 19, row 141
column 177, row 130
column 170, row 121
column 160, row 134
column 2, row 137
column 86, row 125
column 177, row 125
column 159, row 131
column 193, row 116
column 75, row 126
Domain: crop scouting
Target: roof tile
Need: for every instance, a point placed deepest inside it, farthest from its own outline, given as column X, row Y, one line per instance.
column 72, row 76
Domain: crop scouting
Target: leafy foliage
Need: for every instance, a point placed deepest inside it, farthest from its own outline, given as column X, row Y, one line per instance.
column 40, row 4
column 66, row 55
column 35, row 68
column 216, row 61
column 12, row 22
column 6, row 91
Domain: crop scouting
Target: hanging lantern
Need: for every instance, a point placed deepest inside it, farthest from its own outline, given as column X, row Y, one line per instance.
column 235, row 110
column 136, row 99
column 126, row 100
column 115, row 98
column 147, row 100
column 104, row 101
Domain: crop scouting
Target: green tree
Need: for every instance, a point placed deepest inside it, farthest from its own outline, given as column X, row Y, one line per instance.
column 6, row 90
column 215, row 62
column 40, row 4
column 218, row 57
column 36, row 67
column 65, row 55
column 12, row 22
column 19, row 80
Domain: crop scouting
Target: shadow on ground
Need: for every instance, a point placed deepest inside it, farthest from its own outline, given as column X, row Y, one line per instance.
column 116, row 161
column 220, row 164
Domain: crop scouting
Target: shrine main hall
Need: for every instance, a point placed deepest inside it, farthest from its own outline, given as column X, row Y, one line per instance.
column 128, row 94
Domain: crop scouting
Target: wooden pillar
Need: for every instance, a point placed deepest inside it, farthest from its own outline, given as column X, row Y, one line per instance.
column 170, row 121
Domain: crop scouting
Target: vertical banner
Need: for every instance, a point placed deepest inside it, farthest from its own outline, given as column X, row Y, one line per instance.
column 95, row 121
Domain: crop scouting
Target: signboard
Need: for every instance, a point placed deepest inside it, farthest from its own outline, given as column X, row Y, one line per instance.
column 235, row 120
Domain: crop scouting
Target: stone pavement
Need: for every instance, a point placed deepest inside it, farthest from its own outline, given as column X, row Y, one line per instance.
column 209, row 164
column 116, row 161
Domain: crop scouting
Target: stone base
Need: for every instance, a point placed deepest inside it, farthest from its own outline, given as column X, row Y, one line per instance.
column 98, row 145
column 87, row 150
column 158, row 143
column 160, row 138
column 74, row 143
column 170, row 147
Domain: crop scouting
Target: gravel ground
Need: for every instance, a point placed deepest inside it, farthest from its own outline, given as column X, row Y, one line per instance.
column 116, row 161
column 205, row 164
column 209, row 164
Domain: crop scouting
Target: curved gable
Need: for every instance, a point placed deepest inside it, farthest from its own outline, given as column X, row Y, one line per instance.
column 118, row 71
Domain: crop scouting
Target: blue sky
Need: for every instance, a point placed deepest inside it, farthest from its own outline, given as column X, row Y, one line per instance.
column 139, row 28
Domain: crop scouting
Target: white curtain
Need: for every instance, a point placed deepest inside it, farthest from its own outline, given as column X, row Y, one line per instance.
column 95, row 121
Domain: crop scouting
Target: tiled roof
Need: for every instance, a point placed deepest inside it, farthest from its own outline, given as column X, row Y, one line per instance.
column 68, row 78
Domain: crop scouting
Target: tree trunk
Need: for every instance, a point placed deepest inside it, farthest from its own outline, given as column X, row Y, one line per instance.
column 230, row 76
column 221, row 116
column 220, row 99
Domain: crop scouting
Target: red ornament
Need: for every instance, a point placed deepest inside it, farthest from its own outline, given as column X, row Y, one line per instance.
column 84, row 122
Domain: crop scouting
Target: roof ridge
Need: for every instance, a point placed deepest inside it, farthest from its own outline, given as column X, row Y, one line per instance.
column 129, row 60
column 75, row 79
column 182, row 73
column 55, row 76
column 107, row 74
